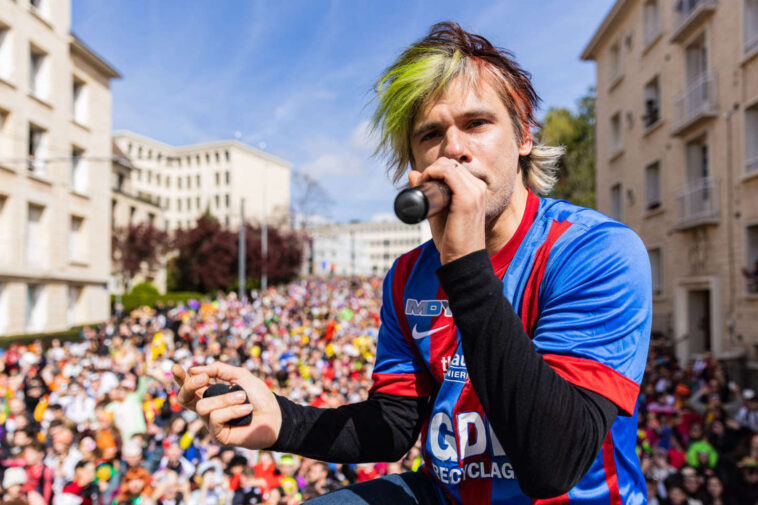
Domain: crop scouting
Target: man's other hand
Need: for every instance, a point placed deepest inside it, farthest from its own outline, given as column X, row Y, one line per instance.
column 217, row 411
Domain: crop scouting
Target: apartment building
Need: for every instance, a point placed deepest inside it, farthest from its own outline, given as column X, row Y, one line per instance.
column 55, row 151
column 188, row 181
column 677, row 160
column 361, row 248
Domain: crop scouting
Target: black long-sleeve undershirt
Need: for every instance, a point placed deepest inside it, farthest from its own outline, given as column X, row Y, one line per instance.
column 550, row 429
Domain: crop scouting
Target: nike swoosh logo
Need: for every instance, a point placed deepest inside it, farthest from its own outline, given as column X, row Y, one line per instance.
column 421, row 334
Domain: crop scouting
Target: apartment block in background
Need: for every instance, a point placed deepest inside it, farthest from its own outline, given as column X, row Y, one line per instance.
column 677, row 160
column 214, row 177
column 55, row 151
column 360, row 248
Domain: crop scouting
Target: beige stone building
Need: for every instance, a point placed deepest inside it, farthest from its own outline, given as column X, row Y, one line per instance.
column 189, row 180
column 55, row 151
column 677, row 160
column 361, row 248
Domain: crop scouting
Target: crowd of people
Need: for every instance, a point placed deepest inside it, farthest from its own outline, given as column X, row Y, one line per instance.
column 96, row 421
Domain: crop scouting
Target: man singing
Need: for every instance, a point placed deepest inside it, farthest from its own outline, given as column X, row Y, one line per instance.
column 514, row 341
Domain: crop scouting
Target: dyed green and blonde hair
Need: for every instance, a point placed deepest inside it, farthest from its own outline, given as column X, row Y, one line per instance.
column 424, row 71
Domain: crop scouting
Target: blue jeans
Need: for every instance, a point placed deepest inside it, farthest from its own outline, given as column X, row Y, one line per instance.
column 411, row 488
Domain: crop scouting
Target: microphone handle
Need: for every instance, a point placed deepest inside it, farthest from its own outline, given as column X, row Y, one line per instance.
column 413, row 205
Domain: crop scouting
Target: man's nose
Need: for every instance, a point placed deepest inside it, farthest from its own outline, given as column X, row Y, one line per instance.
column 455, row 146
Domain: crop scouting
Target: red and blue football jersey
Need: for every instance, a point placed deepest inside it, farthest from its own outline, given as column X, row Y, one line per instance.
column 580, row 283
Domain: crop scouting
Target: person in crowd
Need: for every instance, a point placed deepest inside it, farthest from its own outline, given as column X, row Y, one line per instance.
column 135, row 488
column 83, row 486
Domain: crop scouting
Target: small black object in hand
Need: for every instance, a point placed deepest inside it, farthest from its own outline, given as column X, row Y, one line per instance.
column 222, row 389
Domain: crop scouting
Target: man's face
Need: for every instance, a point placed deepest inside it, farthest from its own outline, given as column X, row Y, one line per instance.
column 473, row 127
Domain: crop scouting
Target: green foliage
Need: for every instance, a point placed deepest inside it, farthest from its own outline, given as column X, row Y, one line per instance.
column 146, row 297
column 146, row 288
column 72, row 335
column 577, row 132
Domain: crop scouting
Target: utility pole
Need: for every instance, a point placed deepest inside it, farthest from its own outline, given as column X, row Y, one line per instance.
column 264, row 233
column 241, row 248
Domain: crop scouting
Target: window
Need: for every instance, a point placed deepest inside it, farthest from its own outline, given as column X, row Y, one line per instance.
column 6, row 53
column 218, row 157
column 653, row 186
column 227, row 200
column 207, row 157
column 80, row 104
column 72, row 312
column 189, row 158
column 39, row 7
column 132, row 213
column 189, row 203
column 37, row 150
column 168, row 181
column 218, row 201
column 38, row 73
column 616, row 202
column 189, row 182
column 616, row 140
column 751, row 25
column 751, row 268
column 4, row 141
column 139, row 152
column 227, row 155
column 656, row 269
column 35, row 307
column 197, row 202
column 697, row 159
column 227, row 177
column 197, row 159
column 696, row 61
column 35, row 239
column 150, row 154
column 179, row 182
column 179, row 204
column 652, row 102
column 197, row 180
column 79, row 171
column 76, row 240
column 651, row 23
column 751, row 139
column 218, row 178
column 158, row 179
column 615, row 63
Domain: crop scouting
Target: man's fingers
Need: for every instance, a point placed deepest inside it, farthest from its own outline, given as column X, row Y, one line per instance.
column 191, row 388
column 219, row 370
column 179, row 374
column 206, row 406
column 221, row 417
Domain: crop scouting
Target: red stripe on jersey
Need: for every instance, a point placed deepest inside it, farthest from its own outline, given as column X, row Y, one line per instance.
column 597, row 377
column 472, row 491
column 402, row 384
column 443, row 343
column 609, row 464
column 403, row 268
column 531, row 299
column 558, row 500
column 503, row 257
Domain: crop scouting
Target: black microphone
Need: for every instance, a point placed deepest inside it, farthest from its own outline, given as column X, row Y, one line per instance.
column 413, row 205
column 221, row 389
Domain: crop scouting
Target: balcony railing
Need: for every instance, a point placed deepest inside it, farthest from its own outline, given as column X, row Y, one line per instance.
column 698, row 203
column 751, row 41
column 688, row 14
column 699, row 101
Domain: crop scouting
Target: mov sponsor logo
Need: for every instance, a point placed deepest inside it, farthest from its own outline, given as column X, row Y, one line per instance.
column 427, row 308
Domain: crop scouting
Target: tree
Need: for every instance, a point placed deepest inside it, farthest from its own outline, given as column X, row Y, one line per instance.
column 577, row 132
column 206, row 257
column 309, row 199
column 285, row 253
column 137, row 249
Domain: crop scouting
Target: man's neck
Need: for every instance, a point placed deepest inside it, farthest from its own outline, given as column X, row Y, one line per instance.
column 502, row 229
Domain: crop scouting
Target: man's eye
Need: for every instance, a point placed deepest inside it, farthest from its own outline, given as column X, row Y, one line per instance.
column 428, row 136
column 477, row 122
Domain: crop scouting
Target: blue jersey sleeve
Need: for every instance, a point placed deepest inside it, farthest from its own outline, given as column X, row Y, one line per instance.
column 398, row 368
column 595, row 310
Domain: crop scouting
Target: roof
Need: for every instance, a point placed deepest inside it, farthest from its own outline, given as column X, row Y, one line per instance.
column 78, row 46
column 618, row 8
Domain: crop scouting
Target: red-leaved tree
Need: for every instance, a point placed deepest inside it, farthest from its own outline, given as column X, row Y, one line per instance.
column 137, row 249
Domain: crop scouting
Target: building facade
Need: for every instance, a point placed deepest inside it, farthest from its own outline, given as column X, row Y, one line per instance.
column 215, row 177
column 677, row 160
column 361, row 248
column 55, row 151
column 129, row 209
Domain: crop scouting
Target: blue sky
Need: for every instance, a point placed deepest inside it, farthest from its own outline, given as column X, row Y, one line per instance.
column 294, row 77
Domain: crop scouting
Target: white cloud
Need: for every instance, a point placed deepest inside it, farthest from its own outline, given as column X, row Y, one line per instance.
column 363, row 137
column 328, row 164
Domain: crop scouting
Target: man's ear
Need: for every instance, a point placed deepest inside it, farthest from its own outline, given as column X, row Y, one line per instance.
column 526, row 146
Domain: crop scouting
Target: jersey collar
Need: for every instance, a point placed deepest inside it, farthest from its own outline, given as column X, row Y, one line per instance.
column 501, row 259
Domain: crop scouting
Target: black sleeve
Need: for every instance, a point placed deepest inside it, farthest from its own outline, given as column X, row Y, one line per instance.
column 550, row 429
column 382, row 428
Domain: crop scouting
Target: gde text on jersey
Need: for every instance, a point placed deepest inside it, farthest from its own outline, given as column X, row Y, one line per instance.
column 473, row 440
column 427, row 308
